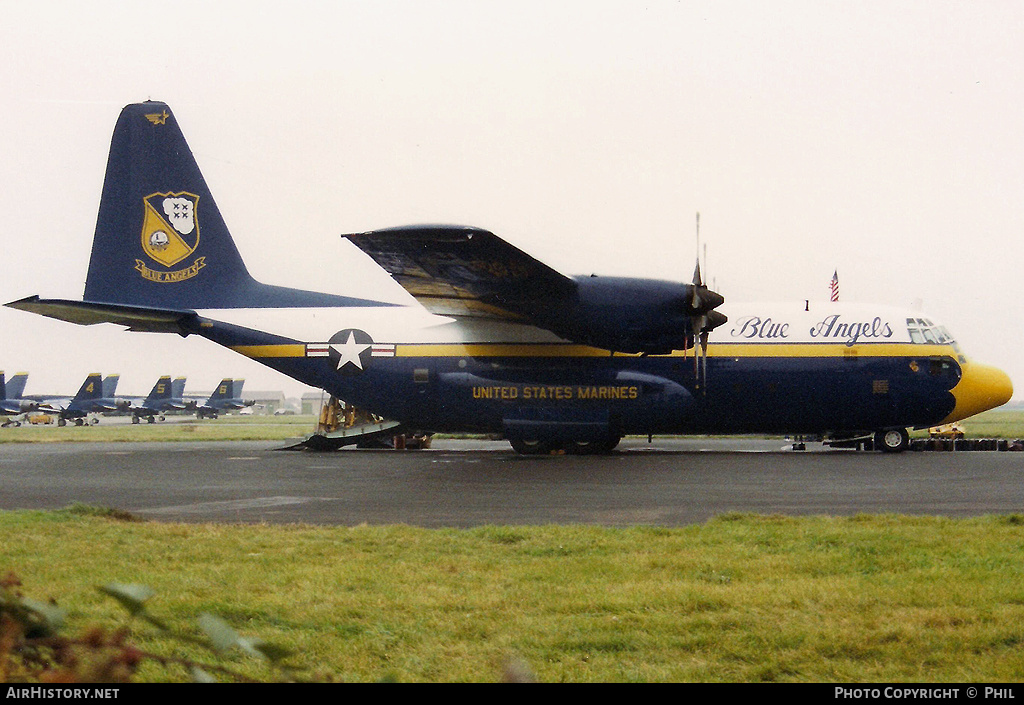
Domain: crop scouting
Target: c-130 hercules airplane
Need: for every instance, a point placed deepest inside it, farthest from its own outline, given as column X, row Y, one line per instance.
column 513, row 346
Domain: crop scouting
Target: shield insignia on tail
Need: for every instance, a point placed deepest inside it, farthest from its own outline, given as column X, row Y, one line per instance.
column 170, row 227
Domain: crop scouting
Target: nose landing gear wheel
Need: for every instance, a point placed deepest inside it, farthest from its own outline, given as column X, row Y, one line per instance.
column 894, row 440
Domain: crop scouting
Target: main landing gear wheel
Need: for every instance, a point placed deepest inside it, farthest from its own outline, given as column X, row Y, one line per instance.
column 525, row 447
column 600, row 447
column 894, row 440
column 534, row 447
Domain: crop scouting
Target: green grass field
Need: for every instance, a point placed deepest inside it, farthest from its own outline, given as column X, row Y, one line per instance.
column 740, row 599
column 225, row 428
column 997, row 423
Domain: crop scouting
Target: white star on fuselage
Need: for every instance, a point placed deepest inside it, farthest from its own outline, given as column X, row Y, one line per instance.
column 350, row 351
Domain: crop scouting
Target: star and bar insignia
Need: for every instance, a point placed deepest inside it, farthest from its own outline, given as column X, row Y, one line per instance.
column 350, row 350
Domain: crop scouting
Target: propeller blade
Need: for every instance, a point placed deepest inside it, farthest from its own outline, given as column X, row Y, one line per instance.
column 697, row 324
column 696, row 301
column 704, row 359
column 715, row 319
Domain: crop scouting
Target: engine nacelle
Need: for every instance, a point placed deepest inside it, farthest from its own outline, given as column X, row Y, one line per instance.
column 634, row 315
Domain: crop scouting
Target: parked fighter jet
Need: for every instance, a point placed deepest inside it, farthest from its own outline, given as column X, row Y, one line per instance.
column 165, row 396
column 12, row 406
column 95, row 396
column 227, row 397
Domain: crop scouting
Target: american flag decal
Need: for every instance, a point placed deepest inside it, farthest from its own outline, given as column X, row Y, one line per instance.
column 835, row 285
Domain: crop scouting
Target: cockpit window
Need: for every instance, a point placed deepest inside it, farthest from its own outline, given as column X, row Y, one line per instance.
column 923, row 332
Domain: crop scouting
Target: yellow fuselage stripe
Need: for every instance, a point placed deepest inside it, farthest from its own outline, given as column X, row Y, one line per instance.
column 291, row 350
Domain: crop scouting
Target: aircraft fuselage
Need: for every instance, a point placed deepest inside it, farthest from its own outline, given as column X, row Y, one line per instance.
column 771, row 369
column 512, row 346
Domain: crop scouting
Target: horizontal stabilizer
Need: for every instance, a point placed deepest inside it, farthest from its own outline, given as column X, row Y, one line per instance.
column 84, row 313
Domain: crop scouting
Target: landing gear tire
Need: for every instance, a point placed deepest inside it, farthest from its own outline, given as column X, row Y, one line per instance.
column 62, row 422
column 527, row 447
column 894, row 440
column 534, row 447
column 600, row 447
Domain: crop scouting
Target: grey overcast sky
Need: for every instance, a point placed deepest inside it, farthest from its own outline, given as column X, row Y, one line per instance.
column 880, row 139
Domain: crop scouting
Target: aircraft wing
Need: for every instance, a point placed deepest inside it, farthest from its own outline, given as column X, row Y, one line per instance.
column 108, row 405
column 54, row 406
column 464, row 271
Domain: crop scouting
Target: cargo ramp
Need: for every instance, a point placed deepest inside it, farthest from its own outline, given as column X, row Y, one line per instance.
column 341, row 424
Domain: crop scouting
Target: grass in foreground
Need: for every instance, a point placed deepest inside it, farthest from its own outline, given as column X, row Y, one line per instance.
column 742, row 598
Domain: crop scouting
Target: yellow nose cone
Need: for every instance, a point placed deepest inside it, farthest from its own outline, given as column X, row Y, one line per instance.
column 981, row 387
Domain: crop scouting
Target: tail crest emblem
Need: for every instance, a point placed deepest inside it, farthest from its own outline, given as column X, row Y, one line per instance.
column 170, row 233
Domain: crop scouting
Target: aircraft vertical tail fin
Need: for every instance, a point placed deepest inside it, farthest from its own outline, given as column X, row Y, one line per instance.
column 236, row 388
column 160, row 240
column 15, row 387
column 161, row 390
column 92, row 388
column 110, row 385
column 178, row 388
column 223, row 390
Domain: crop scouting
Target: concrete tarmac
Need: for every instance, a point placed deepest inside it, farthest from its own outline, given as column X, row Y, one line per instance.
column 470, row 483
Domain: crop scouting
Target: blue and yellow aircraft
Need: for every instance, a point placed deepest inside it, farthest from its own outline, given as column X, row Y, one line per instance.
column 166, row 395
column 12, row 405
column 503, row 343
column 227, row 397
column 95, row 396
